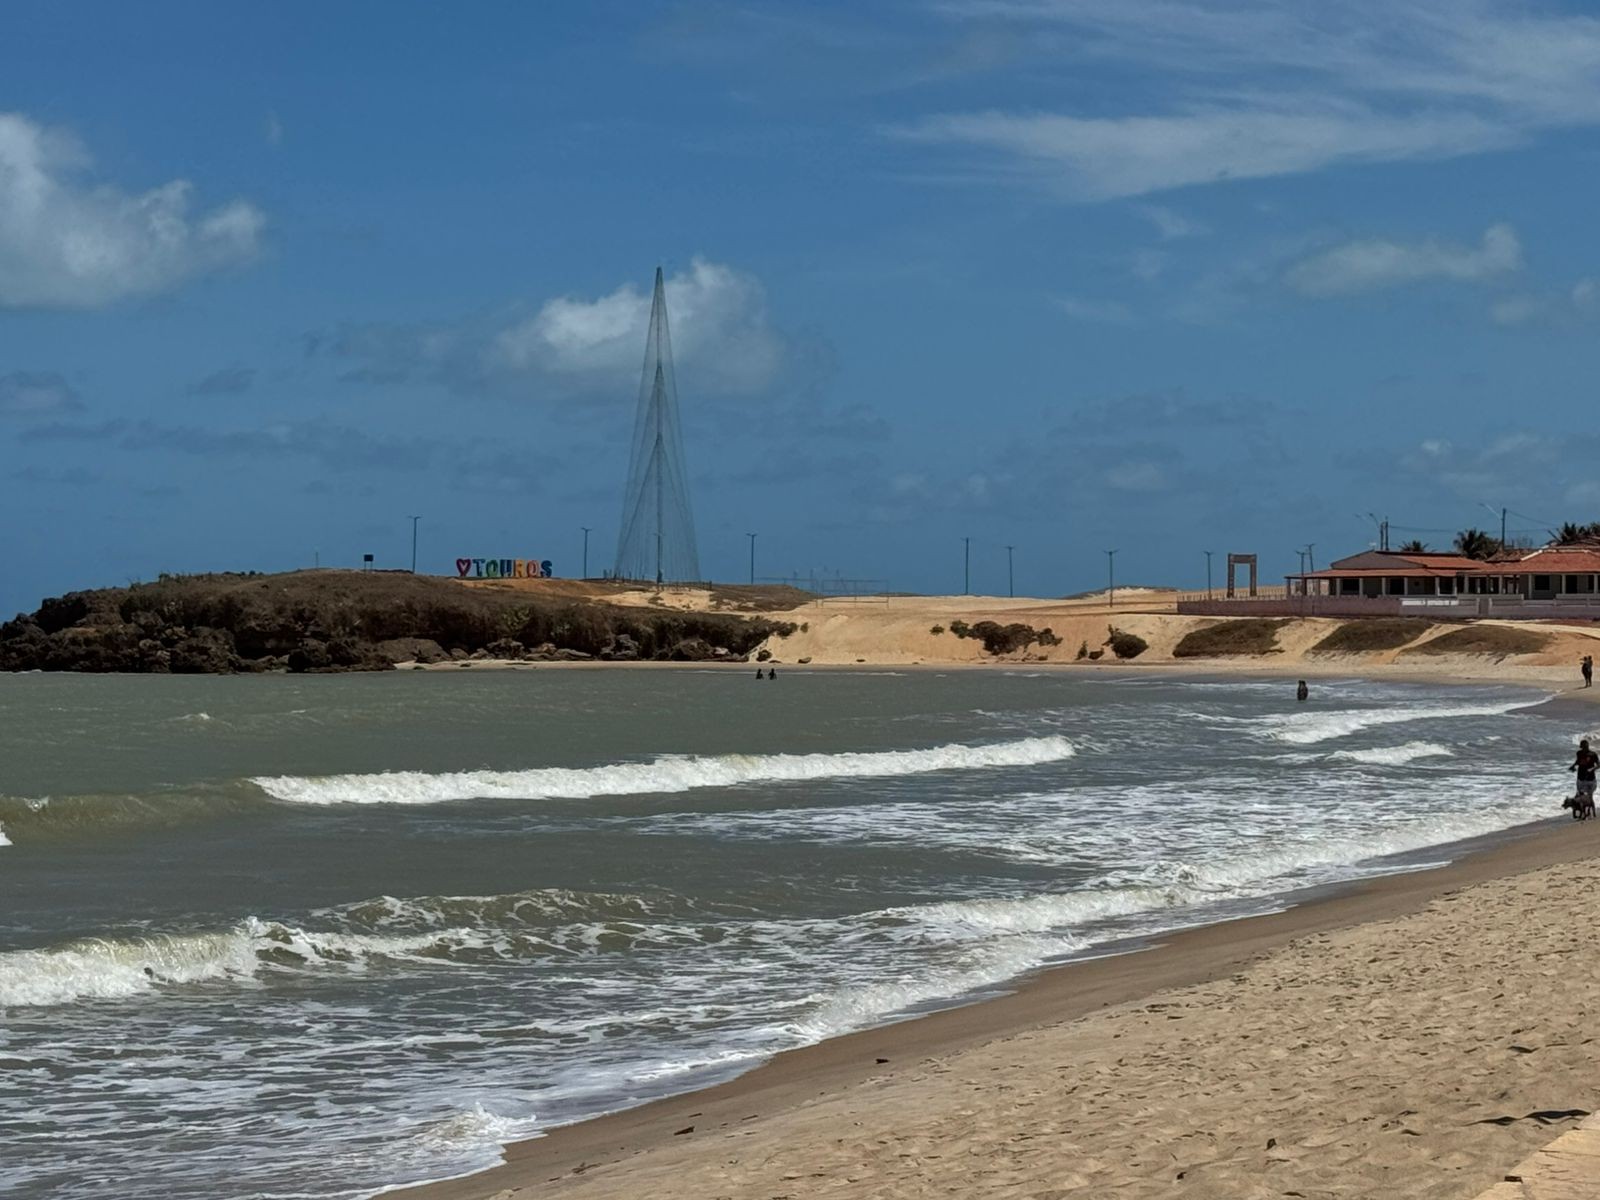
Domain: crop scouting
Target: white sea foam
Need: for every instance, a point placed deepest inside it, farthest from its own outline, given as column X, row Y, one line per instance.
column 117, row 968
column 1307, row 728
column 1394, row 756
column 661, row 775
column 4, row 840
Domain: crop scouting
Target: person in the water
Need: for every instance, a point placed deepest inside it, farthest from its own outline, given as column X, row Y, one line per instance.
column 1301, row 692
column 759, row 675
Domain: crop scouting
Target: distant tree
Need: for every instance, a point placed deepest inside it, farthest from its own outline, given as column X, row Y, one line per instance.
column 1475, row 543
column 1572, row 533
column 1414, row 547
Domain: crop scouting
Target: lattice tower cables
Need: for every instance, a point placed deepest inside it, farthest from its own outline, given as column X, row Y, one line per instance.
column 657, row 536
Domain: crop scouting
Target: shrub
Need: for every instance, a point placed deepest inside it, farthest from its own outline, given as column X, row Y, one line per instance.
column 961, row 629
column 1047, row 637
column 1496, row 641
column 1371, row 633
column 937, row 630
column 1083, row 649
column 1124, row 644
column 1247, row 635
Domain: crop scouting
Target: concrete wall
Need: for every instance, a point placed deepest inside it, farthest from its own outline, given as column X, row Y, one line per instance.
column 1442, row 608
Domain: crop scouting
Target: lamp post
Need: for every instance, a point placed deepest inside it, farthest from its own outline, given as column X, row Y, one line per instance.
column 752, row 538
column 966, row 566
column 585, row 529
column 414, row 521
column 1111, row 578
column 1208, row 574
column 1011, row 577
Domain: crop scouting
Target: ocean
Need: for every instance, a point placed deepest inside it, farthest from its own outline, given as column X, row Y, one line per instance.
column 276, row 936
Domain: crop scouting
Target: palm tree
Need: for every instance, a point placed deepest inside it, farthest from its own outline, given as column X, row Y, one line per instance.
column 1475, row 543
column 1414, row 547
column 1571, row 533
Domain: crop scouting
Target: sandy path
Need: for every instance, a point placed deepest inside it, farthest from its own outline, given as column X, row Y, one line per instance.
column 1372, row 1061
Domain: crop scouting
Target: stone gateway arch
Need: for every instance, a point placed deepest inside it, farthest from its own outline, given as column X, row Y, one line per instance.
column 657, row 537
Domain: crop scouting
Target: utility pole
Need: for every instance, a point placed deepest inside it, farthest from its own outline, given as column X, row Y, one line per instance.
column 966, row 566
column 752, row 538
column 414, row 521
column 1111, row 578
column 1011, row 577
column 585, row 529
column 1311, row 555
column 1208, row 574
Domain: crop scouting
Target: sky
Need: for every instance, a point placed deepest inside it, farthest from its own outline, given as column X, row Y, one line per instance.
column 1061, row 275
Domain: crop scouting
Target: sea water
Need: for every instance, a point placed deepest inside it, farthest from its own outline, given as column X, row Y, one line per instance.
column 263, row 936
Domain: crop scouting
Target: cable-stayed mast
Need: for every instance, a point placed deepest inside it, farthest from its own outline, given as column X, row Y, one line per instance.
column 657, row 537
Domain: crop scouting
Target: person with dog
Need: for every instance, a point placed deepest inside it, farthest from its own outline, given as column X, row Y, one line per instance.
column 1584, row 763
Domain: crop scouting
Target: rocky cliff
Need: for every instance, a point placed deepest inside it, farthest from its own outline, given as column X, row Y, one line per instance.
column 350, row 621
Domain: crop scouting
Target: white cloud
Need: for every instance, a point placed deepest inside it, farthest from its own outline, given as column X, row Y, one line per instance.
column 1136, row 475
column 718, row 321
column 1111, row 312
column 1250, row 90
column 67, row 241
column 36, row 394
column 1370, row 264
column 1571, row 307
column 1171, row 225
column 272, row 130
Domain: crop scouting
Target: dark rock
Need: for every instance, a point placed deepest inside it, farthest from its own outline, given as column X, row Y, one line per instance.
column 505, row 648
column 572, row 656
column 692, row 650
column 205, row 652
column 457, row 654
column 309, row 655
column 421, row 650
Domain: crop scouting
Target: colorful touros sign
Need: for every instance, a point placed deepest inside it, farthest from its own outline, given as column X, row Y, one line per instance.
column 504, row 568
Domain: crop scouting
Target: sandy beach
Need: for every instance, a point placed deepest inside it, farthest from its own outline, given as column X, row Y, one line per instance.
column 1412, row 1036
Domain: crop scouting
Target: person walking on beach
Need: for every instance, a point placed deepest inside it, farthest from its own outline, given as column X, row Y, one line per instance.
column 1584, row 763
column 1588, row 670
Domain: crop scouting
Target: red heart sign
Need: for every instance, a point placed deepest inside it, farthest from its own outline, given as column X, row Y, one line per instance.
column 463, row 565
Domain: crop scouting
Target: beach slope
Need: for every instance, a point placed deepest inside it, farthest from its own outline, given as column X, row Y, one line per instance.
column 1415, row 1036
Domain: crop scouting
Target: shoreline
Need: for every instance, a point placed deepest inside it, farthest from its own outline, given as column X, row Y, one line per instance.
column 1053, row 997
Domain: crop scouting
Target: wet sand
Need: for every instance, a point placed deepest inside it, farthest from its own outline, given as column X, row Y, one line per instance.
column 1389, row 1038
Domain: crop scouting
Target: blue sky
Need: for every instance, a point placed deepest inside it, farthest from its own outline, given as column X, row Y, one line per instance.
column 1063, row 274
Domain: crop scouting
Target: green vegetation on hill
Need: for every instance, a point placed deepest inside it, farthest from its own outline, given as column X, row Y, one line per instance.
column 350, row 620
column 1248, row 635
column 1497, row 641
column 1368, row 634
column 1004, row 639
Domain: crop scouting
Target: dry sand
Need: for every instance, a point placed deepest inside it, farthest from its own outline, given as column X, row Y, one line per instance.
column 1392, row 1040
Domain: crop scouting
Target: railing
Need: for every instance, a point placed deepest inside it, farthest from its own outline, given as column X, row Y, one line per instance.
column 1263, row 592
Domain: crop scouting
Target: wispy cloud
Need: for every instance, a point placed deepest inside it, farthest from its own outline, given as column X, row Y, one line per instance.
column 229, row 381
column 1238, row 89
column 69, row 241
column 1112, row 312
column 37, row 394
column 1371, row 264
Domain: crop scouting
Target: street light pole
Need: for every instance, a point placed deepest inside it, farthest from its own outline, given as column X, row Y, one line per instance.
column 1111, row 578
column 966, row 566
column 414, row 521
column 1208, row 574
column 752, row 538
column 1011, row 577
column 585, row 529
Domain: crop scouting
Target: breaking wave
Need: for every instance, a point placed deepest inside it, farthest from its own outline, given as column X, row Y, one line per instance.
column 660, row 775
column 1394, row 756
column 1307, row 728
column 424, row 931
